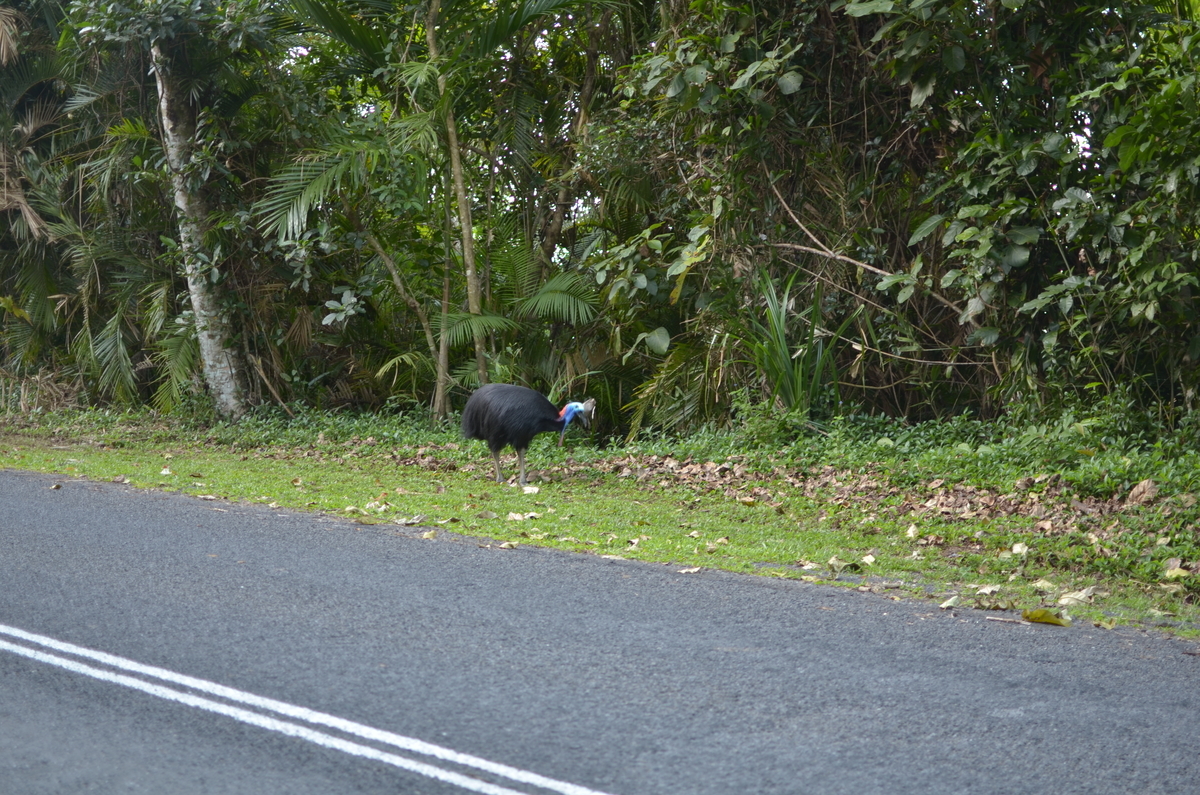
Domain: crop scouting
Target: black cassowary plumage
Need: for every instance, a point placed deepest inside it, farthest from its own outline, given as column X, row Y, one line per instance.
column 510, row 415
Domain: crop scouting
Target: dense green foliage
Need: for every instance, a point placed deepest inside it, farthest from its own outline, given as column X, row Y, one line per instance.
column 906, row 208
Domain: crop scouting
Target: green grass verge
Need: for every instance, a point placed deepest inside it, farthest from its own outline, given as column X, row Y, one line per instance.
column 848, row 510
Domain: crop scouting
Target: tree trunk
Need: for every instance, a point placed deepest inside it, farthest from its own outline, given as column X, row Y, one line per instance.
column 441, row 395
column 466, row 225
column 224, row 371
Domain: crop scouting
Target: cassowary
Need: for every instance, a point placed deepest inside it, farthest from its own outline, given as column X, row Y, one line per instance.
column 507, row 414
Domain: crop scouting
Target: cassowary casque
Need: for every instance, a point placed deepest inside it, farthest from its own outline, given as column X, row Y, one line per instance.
column 507, row 414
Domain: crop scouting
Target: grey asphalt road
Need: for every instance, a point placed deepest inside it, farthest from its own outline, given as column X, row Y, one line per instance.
column 600, row 676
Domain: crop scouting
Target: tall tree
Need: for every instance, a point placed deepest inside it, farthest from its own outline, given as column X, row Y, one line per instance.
column 187, row 44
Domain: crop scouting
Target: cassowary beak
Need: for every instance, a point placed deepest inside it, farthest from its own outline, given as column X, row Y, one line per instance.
column 585, row 416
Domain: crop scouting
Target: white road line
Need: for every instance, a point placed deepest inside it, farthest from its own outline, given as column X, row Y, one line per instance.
column 289, row 710
column 262, row 721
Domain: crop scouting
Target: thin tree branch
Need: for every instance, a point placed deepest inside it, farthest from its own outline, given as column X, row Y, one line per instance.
column 825, row 251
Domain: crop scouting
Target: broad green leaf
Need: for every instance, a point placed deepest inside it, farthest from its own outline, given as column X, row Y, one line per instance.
column 974, row 211
column 954, row 58
column 747, row 73
column 1024, row 235
column 926, row 228
column 1116, row 136
column 1015, row 256
column 658, row 340
column 789, row 82
column 986, row 335
column 862, row 9
column 922, row 91
column 677, row 86
column 696, row 75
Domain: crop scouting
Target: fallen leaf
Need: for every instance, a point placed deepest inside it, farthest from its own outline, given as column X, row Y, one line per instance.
column 1075, row 598
column 949, row 603
column 987, row 590
column 297, row 482
column 509, row 545
column 912, row 531
column 1105, row 623
column 1176, row 573
column 56, row 486
column 1020, row 548
column 868, row 559
column 1142, row 493
column 532, row 489
column 486, row 515
column 1044, row 586
column 1043, row 616
column 166, row 471
column 694, row 534
column 429, row 534
column 692, row 570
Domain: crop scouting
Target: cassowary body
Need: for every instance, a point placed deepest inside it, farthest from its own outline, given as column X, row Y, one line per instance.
column 507, row 414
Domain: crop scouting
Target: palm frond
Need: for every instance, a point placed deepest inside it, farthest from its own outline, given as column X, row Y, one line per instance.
column 566, row 298
column 410, row 359
column 298, row 188
column 462, row 327
column 177, row 357
column 339, row 23
column 114, row 367
column 11, row 21
column 502, row 27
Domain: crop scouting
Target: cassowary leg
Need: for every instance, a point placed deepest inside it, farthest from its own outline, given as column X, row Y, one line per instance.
column 521, row 458
column 496, row 458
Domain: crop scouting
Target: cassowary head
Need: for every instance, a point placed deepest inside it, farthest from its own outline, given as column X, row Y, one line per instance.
column 580, row 411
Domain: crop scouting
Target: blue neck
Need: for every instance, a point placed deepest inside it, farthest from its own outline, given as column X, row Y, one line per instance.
column 568, row 413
